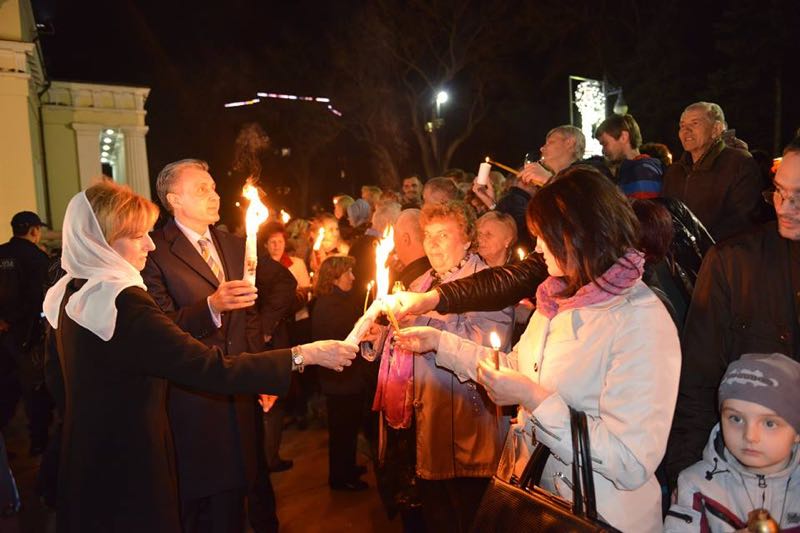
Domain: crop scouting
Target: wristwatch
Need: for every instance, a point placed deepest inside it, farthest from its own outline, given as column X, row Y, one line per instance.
column 297, row 359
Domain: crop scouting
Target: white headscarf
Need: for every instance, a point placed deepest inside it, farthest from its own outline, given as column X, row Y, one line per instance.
column 87, row 255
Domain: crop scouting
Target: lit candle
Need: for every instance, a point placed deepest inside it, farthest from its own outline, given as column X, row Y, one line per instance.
column 494, row 340
column 501, row 165
column 366, row 298
column 483, row 174
column 382, row 251
column 318, row 241
column 285, row 217
column 256, row 214
column 521, row 253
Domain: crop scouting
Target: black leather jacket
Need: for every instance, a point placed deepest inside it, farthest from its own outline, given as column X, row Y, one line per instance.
column 495, row 288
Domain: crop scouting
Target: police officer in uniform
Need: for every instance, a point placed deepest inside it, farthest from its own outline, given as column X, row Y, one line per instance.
column 23, row 277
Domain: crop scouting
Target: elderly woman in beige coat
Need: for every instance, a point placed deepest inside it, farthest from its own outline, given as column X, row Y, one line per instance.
column 459, row 433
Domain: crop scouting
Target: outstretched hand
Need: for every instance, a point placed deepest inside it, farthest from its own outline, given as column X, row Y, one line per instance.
column 331, row 354
column 418, row 339
column 412, row 303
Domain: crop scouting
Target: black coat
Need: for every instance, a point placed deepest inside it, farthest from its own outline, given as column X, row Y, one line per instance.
column 277, row 299
column 23, row 273
column 363, row 250
column 117, row 461
column 723, row 189
column 744, row 302
column 515, row 203
column 214, row 434
column 332, row 317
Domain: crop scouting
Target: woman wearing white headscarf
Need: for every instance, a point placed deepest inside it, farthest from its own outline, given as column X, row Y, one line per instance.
column 116, row 352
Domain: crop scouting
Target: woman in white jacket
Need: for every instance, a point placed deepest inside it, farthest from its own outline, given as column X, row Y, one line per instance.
column 600, row 341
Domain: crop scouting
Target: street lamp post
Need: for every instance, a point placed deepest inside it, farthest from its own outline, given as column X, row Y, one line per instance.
column 437, row 122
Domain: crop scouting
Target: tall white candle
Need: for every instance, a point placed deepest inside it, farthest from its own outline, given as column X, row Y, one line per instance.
column 256, row 214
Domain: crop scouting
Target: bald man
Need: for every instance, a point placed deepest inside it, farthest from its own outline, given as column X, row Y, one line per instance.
column 408, row 246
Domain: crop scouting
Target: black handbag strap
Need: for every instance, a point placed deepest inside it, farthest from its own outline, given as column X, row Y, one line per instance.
column 532, row 474
column 584, row 501
column 586, row 463
column 577, row 467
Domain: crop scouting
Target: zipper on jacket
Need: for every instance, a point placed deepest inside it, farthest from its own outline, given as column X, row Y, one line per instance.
column 685, row 517
column 540, row 426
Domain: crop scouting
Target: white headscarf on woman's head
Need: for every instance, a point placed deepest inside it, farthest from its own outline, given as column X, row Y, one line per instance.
column 87, row 255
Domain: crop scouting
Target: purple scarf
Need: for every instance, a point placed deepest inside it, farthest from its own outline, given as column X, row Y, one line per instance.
column 395, row 392
column 616, row 280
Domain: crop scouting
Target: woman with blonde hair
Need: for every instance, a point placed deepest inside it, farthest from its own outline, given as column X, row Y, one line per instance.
column 116, row 352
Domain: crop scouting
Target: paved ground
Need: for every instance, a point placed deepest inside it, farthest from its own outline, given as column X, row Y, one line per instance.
column 305, row 503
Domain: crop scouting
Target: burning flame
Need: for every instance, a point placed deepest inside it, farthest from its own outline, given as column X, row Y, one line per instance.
column 285, row 217
column 318, row 241
column 521, row 253
column 488, row 159
column 494, row 340
column 257, row 212
column 382, row 251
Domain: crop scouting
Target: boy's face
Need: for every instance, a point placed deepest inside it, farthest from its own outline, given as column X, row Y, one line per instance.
column 760, row 439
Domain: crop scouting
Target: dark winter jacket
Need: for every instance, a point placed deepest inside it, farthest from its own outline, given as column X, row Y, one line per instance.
column 722, row 189
column 745, row 301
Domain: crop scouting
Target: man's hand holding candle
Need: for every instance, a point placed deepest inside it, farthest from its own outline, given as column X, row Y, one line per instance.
column 232, row 295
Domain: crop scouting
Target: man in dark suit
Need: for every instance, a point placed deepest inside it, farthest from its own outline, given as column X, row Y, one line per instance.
column 195, row 276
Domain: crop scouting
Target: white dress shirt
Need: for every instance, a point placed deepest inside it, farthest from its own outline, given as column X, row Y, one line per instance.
column 194, row 239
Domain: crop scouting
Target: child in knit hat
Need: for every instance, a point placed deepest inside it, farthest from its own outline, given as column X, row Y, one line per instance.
column 751, row 459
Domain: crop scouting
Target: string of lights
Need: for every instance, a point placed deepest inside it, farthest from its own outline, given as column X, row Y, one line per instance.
column 281, row 96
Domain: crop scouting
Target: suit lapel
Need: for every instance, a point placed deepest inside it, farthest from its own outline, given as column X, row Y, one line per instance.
column 231, row 253
column 183, row 250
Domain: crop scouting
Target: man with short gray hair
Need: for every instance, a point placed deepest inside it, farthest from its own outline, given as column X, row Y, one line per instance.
column 195, row 277
column 718, row 183
column 563, row 147
column 440, row 190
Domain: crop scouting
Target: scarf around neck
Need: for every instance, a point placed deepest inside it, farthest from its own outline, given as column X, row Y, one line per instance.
column 619, row 278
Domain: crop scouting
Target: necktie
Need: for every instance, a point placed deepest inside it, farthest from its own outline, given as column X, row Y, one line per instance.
column 215, row 268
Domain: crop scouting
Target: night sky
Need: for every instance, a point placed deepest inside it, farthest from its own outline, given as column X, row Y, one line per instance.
column 195, row 56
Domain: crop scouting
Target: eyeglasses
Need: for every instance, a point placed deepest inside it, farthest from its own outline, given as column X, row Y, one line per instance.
column 774, row 196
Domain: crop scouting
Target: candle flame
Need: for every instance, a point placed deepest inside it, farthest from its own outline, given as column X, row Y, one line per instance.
column 256, row 213
column 318, row 241
column 382, row 251
column 488, row 159
column 494, row 340
column 521, row 253
column 285, row 217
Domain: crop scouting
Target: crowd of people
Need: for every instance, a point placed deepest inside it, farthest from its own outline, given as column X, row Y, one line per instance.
column 660, row 297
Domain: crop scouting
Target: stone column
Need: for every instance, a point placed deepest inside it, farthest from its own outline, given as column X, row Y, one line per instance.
column 87, row 140
column 136, row 173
